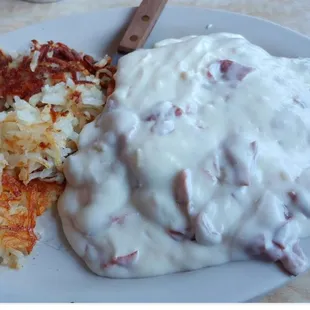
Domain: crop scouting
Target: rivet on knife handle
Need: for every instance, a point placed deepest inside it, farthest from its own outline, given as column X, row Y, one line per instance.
column 141, row 25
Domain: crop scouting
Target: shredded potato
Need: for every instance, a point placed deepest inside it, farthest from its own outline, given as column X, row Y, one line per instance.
column 46, row 98
column 19, row 207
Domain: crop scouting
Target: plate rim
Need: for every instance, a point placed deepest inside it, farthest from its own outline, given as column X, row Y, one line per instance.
column 169, row 6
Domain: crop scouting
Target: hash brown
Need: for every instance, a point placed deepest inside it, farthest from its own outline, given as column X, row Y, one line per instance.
column 47, row 96
column 20, row 205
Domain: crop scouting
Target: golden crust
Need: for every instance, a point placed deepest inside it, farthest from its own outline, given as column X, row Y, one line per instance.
column 20, row 205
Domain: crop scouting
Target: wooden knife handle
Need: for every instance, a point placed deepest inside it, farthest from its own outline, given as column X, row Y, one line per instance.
column 141, row 25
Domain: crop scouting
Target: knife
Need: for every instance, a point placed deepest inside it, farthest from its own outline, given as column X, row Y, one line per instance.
column 140, row 27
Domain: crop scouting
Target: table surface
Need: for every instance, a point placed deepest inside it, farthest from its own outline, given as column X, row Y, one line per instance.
column 15, row 14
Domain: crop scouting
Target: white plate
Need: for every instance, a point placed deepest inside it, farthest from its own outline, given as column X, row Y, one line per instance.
column 52, row 272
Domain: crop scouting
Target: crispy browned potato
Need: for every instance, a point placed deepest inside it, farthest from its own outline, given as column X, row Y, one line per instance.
column 20, row 205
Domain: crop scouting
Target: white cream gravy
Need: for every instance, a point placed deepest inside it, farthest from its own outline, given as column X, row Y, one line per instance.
column 201, row 157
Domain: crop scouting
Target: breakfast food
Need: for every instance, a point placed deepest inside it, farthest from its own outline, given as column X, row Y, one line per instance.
column 200, row 157
column 46, row 98
column 20, row 205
